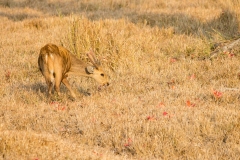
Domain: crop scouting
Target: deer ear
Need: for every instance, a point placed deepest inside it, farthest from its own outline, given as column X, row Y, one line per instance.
column 89, row 69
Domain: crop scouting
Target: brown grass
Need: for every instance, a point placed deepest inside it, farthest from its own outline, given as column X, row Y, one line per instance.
column 167, row 99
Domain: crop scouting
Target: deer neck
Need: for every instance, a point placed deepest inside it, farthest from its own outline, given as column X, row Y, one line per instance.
column 78, row 67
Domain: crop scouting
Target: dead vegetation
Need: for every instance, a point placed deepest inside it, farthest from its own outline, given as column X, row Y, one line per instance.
column 167, row 100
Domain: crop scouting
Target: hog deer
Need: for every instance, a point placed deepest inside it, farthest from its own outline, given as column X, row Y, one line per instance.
column 56, row 63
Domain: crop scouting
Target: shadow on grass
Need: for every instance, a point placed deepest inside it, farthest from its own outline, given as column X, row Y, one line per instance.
column 226, row 24
column 18, row 16
column 40, row 89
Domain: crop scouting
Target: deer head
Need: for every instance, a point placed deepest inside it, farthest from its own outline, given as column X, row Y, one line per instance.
column 96, row 71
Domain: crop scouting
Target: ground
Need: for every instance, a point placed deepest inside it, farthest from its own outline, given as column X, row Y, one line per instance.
column 167, row 98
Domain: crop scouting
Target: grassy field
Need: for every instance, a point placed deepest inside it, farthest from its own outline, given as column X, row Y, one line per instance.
column 167, row 98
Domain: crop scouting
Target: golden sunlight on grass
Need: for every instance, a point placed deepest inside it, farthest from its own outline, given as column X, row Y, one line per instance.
column 167, row 99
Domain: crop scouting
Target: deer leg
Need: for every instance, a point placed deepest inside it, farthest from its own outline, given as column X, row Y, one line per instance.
column 49, row 82
column 50, row 86
column 58, row 79
column 66, row 83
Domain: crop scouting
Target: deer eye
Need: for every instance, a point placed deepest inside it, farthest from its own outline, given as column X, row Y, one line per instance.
column 102, row 74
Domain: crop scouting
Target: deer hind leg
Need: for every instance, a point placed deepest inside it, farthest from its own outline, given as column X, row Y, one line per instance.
column 58, row 79
column 50, row 84
column 50, row 87
column 66, row 83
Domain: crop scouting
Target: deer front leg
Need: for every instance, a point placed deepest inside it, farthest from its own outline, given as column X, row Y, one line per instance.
column 66, row 83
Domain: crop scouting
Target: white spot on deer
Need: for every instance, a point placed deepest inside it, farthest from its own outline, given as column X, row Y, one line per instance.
column 51, row 55
column 46, row 58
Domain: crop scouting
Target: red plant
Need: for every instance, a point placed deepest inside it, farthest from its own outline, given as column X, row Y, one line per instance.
column 151, row 118
column 189, row 104
column 161, row 104
column 217, row 94
column 58, row 106
column 7, row 75
column 129, row 143
column 98, row 154
column 171, row 84
column 172, row 60
column 192, row 77
column 165, row 113
column 231, row 55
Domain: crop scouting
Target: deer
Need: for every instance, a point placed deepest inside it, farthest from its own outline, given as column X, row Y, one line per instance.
column 56, row 63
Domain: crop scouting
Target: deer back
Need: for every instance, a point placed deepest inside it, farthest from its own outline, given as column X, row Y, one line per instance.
column 54, row 59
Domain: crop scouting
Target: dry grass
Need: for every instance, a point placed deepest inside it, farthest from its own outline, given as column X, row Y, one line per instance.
column 167, row 99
